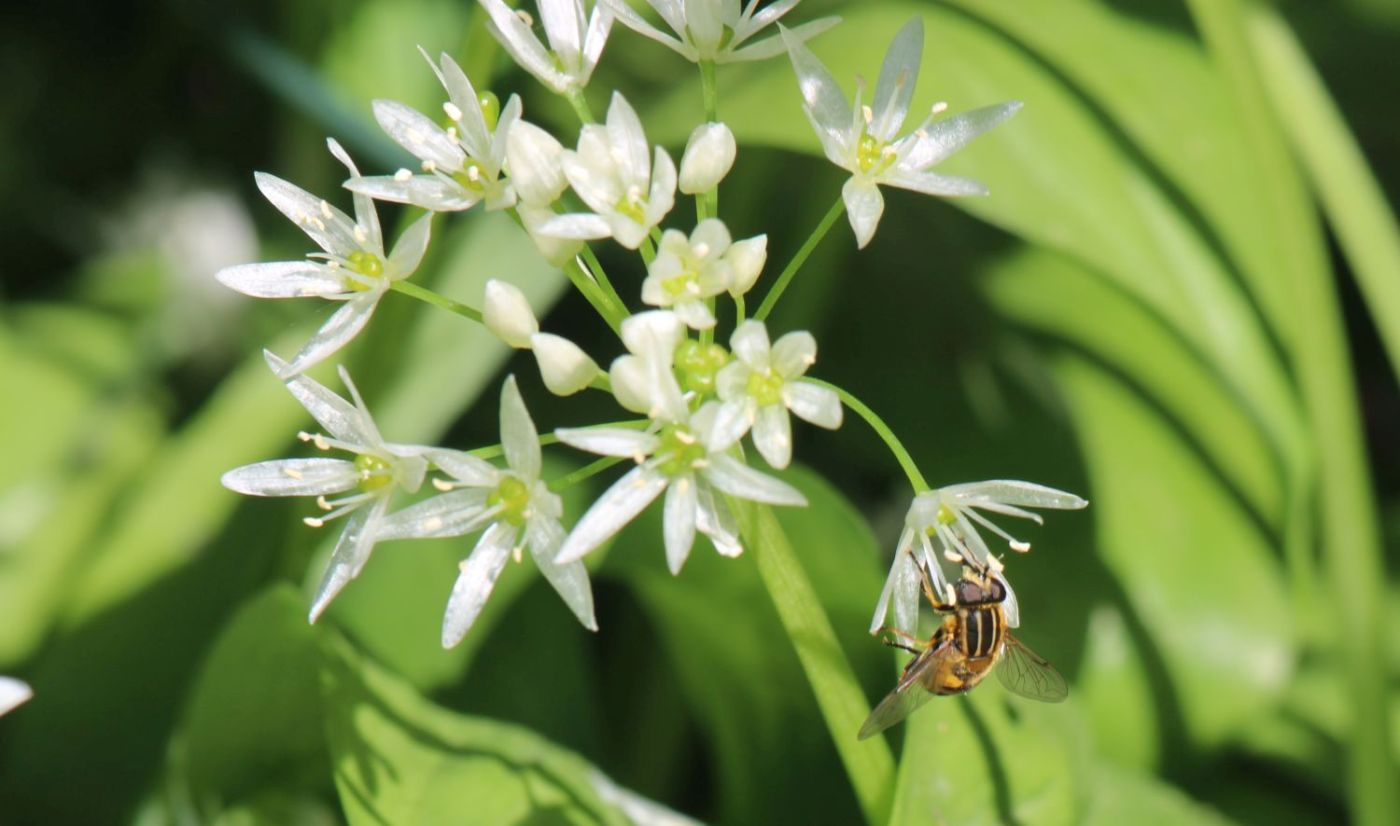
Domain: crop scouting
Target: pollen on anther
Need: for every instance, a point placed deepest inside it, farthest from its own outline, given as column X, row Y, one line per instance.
column 995, row 564
column 453, row 113
column 313, row 522
column 953, row 556
column 474, row 174
column 685, row 437
column 360, row 234
column 304, row 436
column 1020, row 547
column 322, row 503
column 429, row 166
column 948, row 593
column 525, row 17
column 867, row 114
column 940, row 107
column 325, row 208
column 442, row 485
column 403, row 175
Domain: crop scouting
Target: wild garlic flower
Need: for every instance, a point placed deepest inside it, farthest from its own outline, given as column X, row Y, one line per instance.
column 689, row 458
column 643, row 381
column 716, row 30
column 575, row 40
column 709, row 155
column 764, row 383
column 610, row 172
column 946, row 520
column 353, row 267
column 460, row 165
column 368, row 480
column 516, row 509
column 686, row 271
column 862, row 139
column 13, row 693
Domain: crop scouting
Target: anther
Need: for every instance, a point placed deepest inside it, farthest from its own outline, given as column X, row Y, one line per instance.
column 953, row 556
column 1020, row 547
column 940, row 107
column 322, row 503
column 474, row 174
column 453, row 113
column 317, row 223
column 517, row 553
column 948, row 594
column 313, row 522
column 442, row 485
column 995, row 564
column 403, row 175
column 525, row 17
column 429, row 166
column 325, row 208
column 360, row 234
column 685, row 437
column 867, row 114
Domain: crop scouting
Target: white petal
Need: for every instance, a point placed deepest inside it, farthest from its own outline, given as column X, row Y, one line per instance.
column 454, row 513
column 519, row 438
column 557, row 251
column 522, row 45
column 565, row 368
column 476, row 581
column 695, row 314
column 13, row 693
column 419, row 134
column 715, row 520
column 812, row 403
column 599, row 25
column 944, row 137
column 473, row 132
column 652, row 333
column 580, row 226
column 617, row 506
column 864, row 205
column 331, row 229
column 536, row 164
column 774, row 46
column 738, row 479
column 628, row 376
column 609, row 441
column 339, row 329
column 365, row 215
column 898, row 74
column 746, row 259
column 464, row 467
column 282, row 279
column 627, row 140
column 409, row 249
column 506, row 312
column 931, row 183
column 732, row 380
column 825, row 105
column 794, row 353
column 908, row 583
column 340, row 418
column 638, row 24
column 679, row 527
column 545, row 536
column 427, row 191
column 662, row 195
column 563, row 28
column 750, row 344
column 730, row 421
column 350, row 555
column 292, row 477
column 709, row 155
column 772, row 435
column 1013, row 492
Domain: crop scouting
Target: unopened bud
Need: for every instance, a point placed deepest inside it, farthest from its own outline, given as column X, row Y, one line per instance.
column 565, row 368
column 709, row 154
column 508, row 314
column 536, row 166
column 746, row 259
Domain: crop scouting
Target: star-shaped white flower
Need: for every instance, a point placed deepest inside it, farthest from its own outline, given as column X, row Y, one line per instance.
column 515, row 507
column 353, row 267
column 686, row 271
column 368, row 480
column 462, row 164
column 716, row 30
column 690, row 458
column 610, row 171
column 862, row 139
column 946, row 519
column 13, row 693
column 576, row 40
column 764, row 383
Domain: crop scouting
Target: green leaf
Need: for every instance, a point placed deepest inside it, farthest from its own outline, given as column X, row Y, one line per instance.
column 400, row 759
column 1125, row 797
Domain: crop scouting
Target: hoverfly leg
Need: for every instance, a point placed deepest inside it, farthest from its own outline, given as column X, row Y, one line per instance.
column 930, row 593
column 906, row 642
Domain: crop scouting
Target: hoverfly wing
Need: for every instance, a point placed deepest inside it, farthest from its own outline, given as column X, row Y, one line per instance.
column 903, row 701
column 1022, row 671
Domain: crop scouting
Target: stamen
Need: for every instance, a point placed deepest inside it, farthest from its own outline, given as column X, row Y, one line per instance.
column 1016, row 544
column 953, row 556
column 517, row 553
column 323, row 504
column 525, row 17
column 313, row 522
column 317, row 223
column 474, row 173
column 940, row 107
column 1021, row 547
column 443, row 485
column 685, row 437
column 325, row 208
column 453, row 113
column 867, row 114
column 995, row 564
column 403, row 175
column 948, row 594
column 429, row 166
column 360, row 234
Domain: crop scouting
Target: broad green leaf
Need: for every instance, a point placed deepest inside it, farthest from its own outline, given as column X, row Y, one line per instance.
column 1121, row 796
column 1114, row 690
column 375, row 54
column 400, row 759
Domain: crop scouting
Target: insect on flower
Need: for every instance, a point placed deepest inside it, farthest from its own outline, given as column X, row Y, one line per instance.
column 971, row 641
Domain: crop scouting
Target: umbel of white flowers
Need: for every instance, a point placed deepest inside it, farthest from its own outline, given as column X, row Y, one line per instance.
column 946, row 520
column 716, row 31
column 862, row 138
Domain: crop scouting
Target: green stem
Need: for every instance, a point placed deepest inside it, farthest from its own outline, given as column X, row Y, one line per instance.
column 596, row 268
column 708, row 90
column 1348, row 525
column 588, row 470
column 776, row 291
column 428, row 296
column 882, row 430
column 738, row 310
column 579, row 104
column 648, row 250
column 591, row 292
column 869, row 763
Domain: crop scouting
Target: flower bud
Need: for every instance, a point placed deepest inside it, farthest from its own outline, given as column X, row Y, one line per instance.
column 508, row 315
column 746, row 259
column 629, row 383
column 536, row 166
column 557, row 251
column 709, row 154
column 565, row 368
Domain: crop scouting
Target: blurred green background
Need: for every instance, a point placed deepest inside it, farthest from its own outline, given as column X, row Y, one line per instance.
column 1182, row 300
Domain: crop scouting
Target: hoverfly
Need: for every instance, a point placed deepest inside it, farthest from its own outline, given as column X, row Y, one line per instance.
column 971, row 641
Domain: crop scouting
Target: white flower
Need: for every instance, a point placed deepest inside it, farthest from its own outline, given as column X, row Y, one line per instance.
column 506, row 312
column 369, row 479
column 557, row 251
column 353, row 267
column 565, row 368
column 950, row 515
column 643, row 381
column 461, row 164
column 516, row 509
column 13, row 693
column 690, row 458
column 536, row 162
column 610, row 173
column 686, row 271
column 575, row 42
column 862, row 139
column 709, row 155
column 716, row 30
column 764, row 383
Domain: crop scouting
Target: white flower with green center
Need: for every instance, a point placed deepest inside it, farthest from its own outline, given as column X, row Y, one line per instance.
column 576, row 40
column 610, row 171
column 352, row 267
column 687, row 271
column 13, row 693
column 862, row 139
column 763, row 384
column 516, row 509
column 690, row 458
column 460, row 165
column 717, row 31
column 362, row 485
column 946, row 520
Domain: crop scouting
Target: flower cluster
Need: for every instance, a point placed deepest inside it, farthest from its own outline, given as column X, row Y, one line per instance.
column 703, row 411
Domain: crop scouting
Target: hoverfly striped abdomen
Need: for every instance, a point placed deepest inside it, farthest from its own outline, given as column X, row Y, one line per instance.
column 981, row 631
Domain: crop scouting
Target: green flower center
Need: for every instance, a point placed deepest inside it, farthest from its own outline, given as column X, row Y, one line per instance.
column 375, row 473
column 472, row 176
column 633, row 207
column 946, row 516
column 680, row 450
column 871, row 156
column 682, row 284
column 766, row 388
column 698, row 363
column 513, row 496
